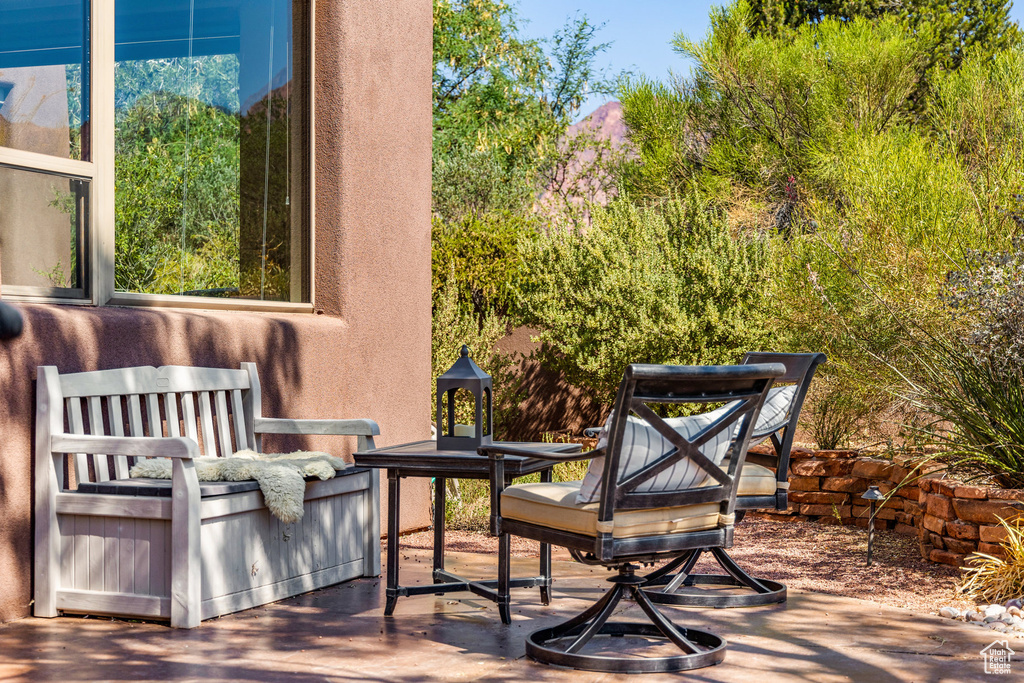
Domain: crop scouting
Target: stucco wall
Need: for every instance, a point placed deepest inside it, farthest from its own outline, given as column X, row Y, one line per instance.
column 366, row 351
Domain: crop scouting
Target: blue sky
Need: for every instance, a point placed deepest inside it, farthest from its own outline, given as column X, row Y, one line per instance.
column 640, row 30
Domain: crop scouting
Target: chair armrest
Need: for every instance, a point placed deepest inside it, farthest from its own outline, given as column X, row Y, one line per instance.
column 149, row 446
column 274, row 425
column 592, row 432
column 494, row 451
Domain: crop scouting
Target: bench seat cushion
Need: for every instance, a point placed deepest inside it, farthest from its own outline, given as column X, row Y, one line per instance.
column 162, row 487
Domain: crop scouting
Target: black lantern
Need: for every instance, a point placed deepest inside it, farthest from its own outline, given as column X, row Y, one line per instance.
column 465, row 374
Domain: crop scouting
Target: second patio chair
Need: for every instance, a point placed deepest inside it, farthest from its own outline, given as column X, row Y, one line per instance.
column 657, row 490
column 759, row 488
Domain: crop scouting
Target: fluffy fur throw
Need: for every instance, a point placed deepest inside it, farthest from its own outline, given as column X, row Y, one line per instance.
column 280, row 475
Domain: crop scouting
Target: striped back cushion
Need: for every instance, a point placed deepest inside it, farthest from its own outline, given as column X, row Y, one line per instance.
column 774, row 413
column 642, row 444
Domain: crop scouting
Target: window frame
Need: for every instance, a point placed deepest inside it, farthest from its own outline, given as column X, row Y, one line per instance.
column 98, row 239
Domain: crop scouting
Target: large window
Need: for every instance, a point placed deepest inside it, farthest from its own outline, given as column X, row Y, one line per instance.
column 153, row 151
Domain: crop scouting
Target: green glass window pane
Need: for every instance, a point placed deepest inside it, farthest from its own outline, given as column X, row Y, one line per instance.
column 211, row 149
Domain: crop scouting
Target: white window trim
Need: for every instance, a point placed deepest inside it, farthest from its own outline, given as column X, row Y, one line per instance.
column 100, row 174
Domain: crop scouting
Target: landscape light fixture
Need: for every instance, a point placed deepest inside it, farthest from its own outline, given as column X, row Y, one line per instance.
column 872, row 495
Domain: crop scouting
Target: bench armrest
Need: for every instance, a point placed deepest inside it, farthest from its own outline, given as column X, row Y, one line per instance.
column 274, row 425
column 149, row 446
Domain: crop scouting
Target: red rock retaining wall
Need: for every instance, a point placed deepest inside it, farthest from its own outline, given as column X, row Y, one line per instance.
column 951, row 519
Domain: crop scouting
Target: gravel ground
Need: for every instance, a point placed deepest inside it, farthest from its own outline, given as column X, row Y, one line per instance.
column 803, row 555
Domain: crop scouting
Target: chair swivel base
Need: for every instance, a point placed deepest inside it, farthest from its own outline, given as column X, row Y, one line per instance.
column 757, row 591
column 562, row 645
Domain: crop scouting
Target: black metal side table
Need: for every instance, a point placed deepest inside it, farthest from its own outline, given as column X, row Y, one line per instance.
column 423, row 459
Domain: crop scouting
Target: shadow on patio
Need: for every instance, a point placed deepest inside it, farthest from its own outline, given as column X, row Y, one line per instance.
column 340, row 634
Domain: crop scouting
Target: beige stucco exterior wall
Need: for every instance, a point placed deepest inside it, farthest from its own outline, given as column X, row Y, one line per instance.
column 366, row 350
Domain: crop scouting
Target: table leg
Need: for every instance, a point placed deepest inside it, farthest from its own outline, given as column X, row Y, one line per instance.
column 545, row 556
column 393, row 508
column 440, row 493
column 504, row 576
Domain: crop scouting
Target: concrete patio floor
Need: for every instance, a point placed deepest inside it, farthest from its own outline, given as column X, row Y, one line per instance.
column 340, row 634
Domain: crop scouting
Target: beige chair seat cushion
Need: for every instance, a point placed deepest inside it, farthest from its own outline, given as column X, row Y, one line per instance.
column 554, row 505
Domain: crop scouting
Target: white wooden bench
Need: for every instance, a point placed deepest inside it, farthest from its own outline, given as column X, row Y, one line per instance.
column 184, row 551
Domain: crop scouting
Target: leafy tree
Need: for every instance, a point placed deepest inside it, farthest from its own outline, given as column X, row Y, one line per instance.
column 500, row 103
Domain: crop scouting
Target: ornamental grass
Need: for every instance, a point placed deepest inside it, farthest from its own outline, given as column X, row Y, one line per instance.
column 992, row 580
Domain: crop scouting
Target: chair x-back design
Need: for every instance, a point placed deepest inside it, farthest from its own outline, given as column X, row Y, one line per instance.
column 759, row 488
column 664, row 490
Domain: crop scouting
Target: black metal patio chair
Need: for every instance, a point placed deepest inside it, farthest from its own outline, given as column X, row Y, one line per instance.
column 759, row 488
column 663, row 490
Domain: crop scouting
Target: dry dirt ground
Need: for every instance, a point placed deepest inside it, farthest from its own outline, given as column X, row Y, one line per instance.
column 802, row 555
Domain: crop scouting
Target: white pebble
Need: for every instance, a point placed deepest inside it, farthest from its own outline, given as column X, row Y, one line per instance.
column 950, row 612
column 994, row 610
column 975, row 616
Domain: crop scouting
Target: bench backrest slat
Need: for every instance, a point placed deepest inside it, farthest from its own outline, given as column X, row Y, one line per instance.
column 171, row 410
column 153, row 421
column 76, row 426
column 206, row 424
column 99, row 462
column 188, row 409
column 117, row 429
column 237, row 411
column 148, row 401
column 223, row 428
column 135, row 415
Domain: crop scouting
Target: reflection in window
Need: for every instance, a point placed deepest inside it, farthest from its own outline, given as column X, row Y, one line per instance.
column 210, row 193
column 44, row 52
column 42, row 222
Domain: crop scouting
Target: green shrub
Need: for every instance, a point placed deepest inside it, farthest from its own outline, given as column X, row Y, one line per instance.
column 479, row 258
column 661, row 284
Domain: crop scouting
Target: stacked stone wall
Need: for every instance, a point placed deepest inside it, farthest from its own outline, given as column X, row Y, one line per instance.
column 950, row 518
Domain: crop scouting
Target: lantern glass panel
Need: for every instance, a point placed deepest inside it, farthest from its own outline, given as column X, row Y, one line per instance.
column 464, row 410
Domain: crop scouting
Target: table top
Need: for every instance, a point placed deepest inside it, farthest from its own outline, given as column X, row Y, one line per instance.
column 422, row 458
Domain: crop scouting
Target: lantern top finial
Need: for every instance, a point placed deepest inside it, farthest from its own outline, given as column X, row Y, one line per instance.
column 464, row 369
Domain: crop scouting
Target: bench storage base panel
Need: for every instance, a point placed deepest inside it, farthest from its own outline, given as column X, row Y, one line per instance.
column 119, row 566
column 183, row 556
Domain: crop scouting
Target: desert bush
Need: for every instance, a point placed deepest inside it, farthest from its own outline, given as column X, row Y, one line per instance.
column 837, row 411
column 978, row 410
column 988, row 296
column 989, row 579
column 666, row 283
